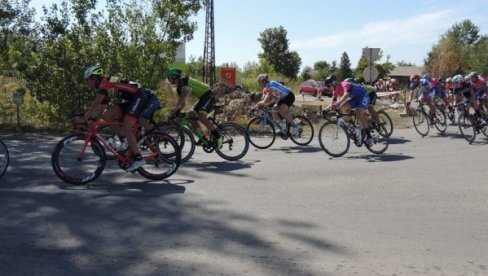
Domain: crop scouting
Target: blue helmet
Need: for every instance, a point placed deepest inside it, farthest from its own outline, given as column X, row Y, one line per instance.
column 424, row 82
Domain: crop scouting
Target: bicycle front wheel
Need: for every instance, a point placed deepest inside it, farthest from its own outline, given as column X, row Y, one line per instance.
column 386, row 121
column 261, row 133
column 76, row 163
column 466, row 127
column 333, row 139
column 235, row 142
column 380, row 142
column 4, row 158
column 184, row 138
column 441, row 121
column 305, row 131
column 421, row 122
column 162, row 155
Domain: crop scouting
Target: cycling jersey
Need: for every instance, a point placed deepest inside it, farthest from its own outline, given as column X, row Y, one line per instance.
column 194, row 87
column 358, row 96
column 129, row 96
column 480, row 83
column 278, row 90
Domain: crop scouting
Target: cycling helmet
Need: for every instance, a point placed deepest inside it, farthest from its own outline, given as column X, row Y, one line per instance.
column 426, row 76
column 173, row 72
column 441, row 81
column 330, row 79
column 448, row 80
column 424, row 82
column 349, row 80
column 95, row 70
column 414, row 77
column 473, row 75
column 434, row 81
column 457, row 79
column 262, row 77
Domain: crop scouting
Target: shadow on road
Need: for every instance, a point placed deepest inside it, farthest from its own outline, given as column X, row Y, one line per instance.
column 385, row 157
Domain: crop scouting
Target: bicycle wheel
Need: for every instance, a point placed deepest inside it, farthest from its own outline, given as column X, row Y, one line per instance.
column 235, row 142
column 261, row 133
column 421, row 122
column 450, row 114
column 4, row 158
column 74, row 168
column 333, row 139
column 162, row 155
column 441, row 122
column 305, row 131
column 184, row 138
column 386, row 121
column 106, row 132
column 380, row 142
column 466, row 127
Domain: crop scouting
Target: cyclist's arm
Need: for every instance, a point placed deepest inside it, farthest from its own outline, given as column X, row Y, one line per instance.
column 181, row 99
column 95, row 108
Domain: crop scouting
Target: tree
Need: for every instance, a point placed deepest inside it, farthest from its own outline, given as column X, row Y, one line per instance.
column 344, row 67
column 321, row 70
column 135, row 39
column 306, row 73
column 457, row 52
column 405, row 63
column 275, row 51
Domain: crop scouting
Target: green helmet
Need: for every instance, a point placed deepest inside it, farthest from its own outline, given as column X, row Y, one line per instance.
column 95, row 70
column 173, row 72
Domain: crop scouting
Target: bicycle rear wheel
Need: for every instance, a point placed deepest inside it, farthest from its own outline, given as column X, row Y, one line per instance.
column 235, row 142
column 466, row 127
column 162, row 155
column 441, row 122
column 305, row 131
column 386, row 121
column 421, row 122
column 380, row 142
column 4, row 158
column 261, row 133
column 333, row 139
column 74, row 168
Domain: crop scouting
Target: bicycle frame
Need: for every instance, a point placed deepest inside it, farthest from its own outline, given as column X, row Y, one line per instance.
column 93, row 133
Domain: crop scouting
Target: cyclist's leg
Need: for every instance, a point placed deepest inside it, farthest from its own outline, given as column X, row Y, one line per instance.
column 372, row 103
column 130, row 119
column 148, row 113
column 284, row 106
column 110, row 115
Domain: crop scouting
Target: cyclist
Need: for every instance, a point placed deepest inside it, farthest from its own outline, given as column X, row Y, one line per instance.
column 414, row 89
column 352, row 96
column 439, row 91
column 372, row 98
column 199, row 111
column 479, row 84
column 129, row 101
column 286, row 99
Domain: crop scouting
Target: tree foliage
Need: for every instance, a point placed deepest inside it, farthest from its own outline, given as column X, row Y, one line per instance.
column 135, row 39
column 345, row 70
column 275, row 51
column 460, row 50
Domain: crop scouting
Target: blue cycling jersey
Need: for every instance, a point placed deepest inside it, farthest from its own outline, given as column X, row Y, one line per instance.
column 277, row 89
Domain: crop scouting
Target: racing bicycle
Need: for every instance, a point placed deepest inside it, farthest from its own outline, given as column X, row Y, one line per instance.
column 80, row 158
column 262, row 130
column 335, row 135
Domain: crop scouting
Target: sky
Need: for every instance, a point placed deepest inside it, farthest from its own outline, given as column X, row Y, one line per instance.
column 322, row 30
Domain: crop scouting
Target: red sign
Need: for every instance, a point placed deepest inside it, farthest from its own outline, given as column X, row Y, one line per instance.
column 229, row 75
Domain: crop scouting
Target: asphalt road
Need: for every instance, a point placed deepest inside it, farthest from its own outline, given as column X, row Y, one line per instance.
column 420, row 208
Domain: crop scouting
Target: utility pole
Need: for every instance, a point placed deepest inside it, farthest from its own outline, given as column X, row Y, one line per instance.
column 209, row 47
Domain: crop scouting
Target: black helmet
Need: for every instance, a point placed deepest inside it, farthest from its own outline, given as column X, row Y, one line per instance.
column 330, row 79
